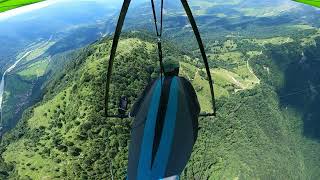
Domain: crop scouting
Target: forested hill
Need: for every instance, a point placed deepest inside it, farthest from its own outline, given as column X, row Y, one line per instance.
column 258, row 134
column 66, row 134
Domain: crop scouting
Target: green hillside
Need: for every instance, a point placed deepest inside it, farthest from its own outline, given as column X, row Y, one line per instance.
column 6, row 5
column 254, row 136
column 68, row 127
column 310, row 2
column 264, row 59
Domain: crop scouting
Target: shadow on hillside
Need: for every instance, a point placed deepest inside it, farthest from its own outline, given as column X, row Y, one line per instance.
column 302, row 90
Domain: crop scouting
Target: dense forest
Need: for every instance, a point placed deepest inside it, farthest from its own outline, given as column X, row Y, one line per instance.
column 266, row 128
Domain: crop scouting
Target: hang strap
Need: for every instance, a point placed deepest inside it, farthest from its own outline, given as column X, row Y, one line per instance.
column 202, row 50
column 159, row 33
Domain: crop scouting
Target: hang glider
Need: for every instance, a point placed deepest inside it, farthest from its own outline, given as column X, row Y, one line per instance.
column 165, row 126
column 6, row 5
column 315, row 3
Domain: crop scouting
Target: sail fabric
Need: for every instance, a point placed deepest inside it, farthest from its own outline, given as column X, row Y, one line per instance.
column 164, row 130
column 315, row 3
column 6, row 5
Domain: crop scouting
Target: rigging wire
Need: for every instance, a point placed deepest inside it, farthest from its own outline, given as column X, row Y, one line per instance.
column 159, row 35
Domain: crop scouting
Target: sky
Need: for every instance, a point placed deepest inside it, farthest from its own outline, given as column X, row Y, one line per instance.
column 29, row 8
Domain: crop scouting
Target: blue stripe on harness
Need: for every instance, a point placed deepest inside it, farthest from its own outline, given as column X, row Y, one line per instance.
column 162, row 156
column 144, row 167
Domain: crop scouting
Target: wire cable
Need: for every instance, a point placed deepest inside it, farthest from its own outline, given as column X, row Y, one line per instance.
column 159, row 36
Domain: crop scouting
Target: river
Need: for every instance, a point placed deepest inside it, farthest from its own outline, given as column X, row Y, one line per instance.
column 3, row 79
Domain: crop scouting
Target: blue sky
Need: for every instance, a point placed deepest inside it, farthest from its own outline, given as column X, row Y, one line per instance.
column 42, row 5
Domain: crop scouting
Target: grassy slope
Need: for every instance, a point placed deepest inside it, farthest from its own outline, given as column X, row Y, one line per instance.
column 44, row 115
column 6, row 5
column 227, row 82
column 252, row 138
column 35, row 70
column 78, row 98
column 239, row 148
column 40, row 50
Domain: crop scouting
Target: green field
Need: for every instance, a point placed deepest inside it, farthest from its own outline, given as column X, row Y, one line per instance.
column 6, row 5
column 41, row 48
column 35, row 70
column 310, row 2
column 227, row 82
